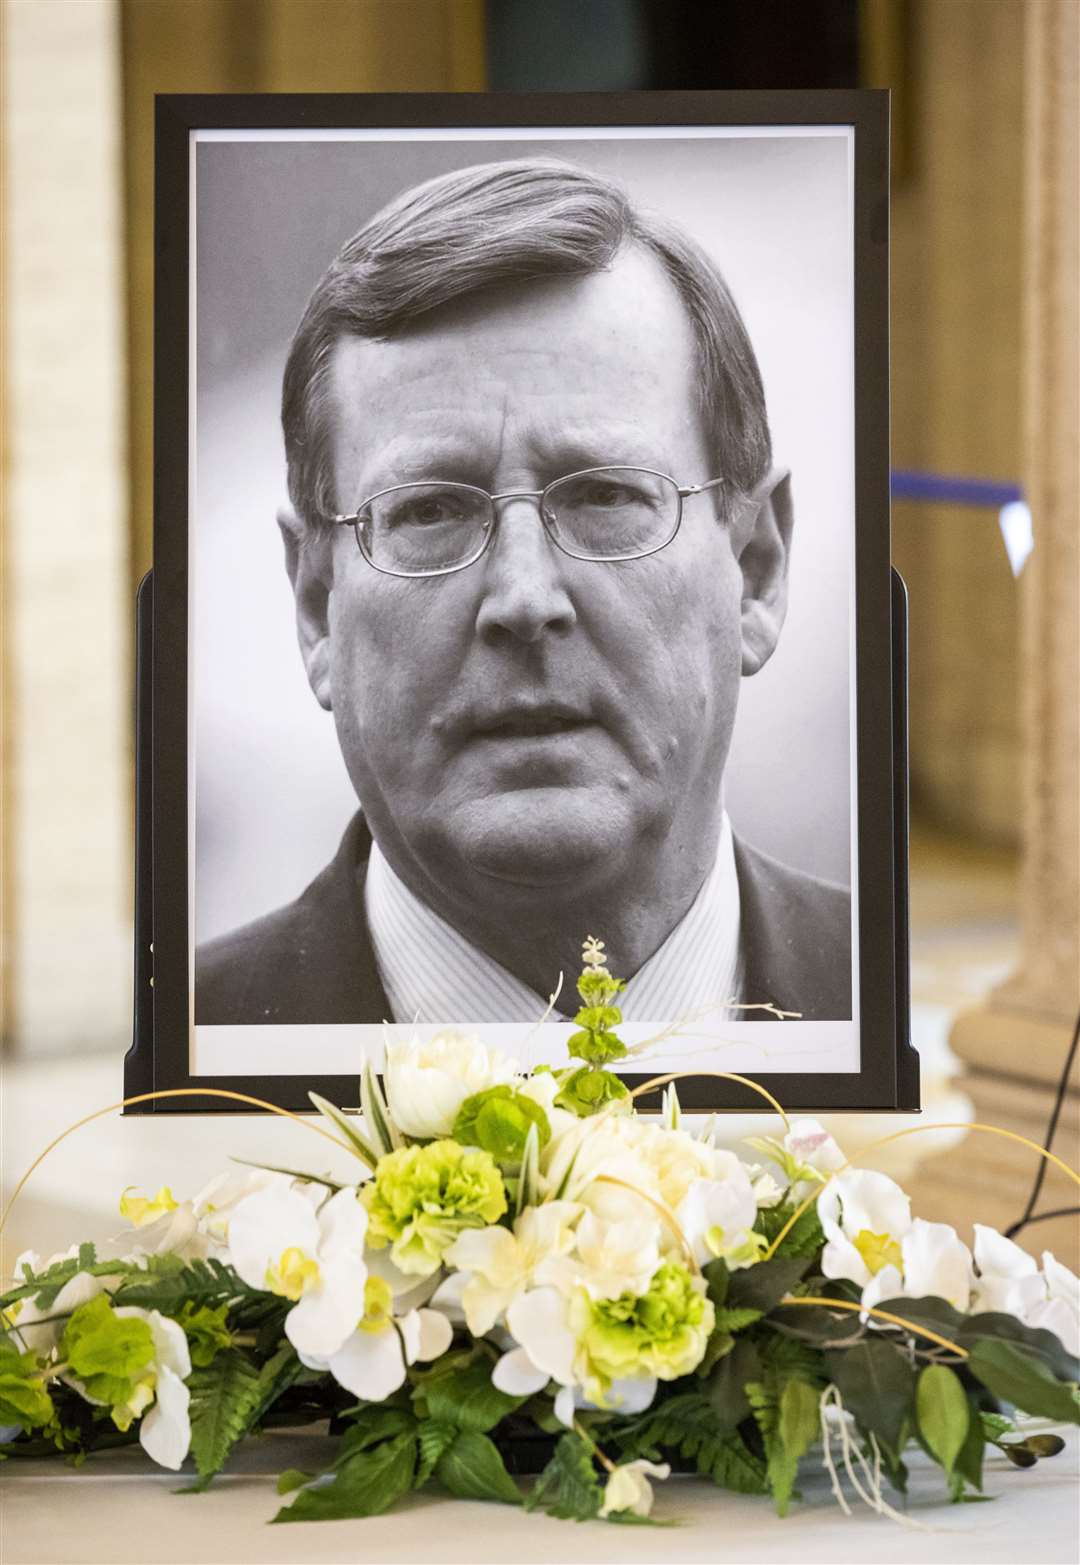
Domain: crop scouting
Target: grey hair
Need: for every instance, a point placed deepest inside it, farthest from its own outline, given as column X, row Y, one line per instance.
column 497, row 223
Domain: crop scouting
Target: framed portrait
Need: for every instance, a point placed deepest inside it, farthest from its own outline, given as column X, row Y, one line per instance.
column 521, row 575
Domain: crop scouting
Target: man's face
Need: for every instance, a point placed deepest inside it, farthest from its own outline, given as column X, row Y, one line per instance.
column 533, row 719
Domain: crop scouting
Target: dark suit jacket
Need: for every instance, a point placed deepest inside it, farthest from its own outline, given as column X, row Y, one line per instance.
column 313, row 962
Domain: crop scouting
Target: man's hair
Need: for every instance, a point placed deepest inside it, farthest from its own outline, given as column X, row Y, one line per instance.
column 489, row 225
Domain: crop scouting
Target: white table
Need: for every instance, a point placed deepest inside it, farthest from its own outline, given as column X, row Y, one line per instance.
column 119, row 1510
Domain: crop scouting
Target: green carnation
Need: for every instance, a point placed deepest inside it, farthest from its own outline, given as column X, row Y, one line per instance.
column 423, row 1197
column 586, row 1091
column 661, row 1332
column 498, row 1120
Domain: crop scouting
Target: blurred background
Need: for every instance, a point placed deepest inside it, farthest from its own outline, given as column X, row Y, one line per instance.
column 984, row 371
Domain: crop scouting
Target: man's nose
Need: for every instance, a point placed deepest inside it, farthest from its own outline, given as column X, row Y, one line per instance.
column 524, row 590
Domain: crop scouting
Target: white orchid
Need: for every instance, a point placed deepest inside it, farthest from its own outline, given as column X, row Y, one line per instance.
column 628, row 1488
column 934, row 1263
column 215, row 1203
column 1010, row 1281
column 865, row 1215
column 806, row 1156
column 539, row 1322
column 278, row 1242
column 371, row 1362
column 717, row 1217
column 165, row 1427
column 499, row 1264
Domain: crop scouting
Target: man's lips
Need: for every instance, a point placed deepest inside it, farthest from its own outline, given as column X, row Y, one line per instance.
column 526, row 721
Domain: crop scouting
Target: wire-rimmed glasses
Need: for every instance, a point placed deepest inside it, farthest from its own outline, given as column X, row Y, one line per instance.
column 433, row 527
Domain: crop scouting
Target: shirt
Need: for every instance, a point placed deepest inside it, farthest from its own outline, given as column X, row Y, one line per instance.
column 432, row 973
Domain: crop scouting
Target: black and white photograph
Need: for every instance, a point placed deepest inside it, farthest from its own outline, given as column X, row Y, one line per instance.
column 521, row 549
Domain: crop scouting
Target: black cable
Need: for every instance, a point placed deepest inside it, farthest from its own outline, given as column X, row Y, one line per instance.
column 1042, row 1217
column 1051, row 1130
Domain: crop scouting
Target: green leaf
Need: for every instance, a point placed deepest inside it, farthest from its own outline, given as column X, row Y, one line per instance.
column 472, row 1469
column 434, row 1437
column 291, row 1479
column 371, row 1422
column 942, row 1413
column 527, row 1192
column 468, row 1399
column 23, row 1398
column 365, row 1484
column 1062, row 1364
column 935, row 1313
column 967, row 1468
column 805, row 1237
column 763, row 1285
column 568, row 1487
column 800, row 1418
column 299, row 1174
column 340, row 1121
column 168, row 1283
column 1019, row 1375
column 877, row 1385
column 106, row 1351
column 736, row 1320
column 499, row 1121
column 224, row 1397
column 726, row 1388
column 736, row 1467
column 718, row 1278
column 586, row 1091
column 205, row 1330
column 386, row 1136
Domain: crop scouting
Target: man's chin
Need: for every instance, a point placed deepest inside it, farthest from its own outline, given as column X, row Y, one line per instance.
column 541, row 836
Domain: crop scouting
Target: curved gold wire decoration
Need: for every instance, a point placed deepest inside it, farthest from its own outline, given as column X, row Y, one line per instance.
column 664, row 1211
column 914, row 1130
column 872, row 1309
column 746, row 1081
column 166, row 1092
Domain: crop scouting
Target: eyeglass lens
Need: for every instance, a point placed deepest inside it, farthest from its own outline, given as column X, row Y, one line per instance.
column 610, row 513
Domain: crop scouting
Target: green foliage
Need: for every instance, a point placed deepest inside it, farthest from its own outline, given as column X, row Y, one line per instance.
column 942, row 1413
column 1045, row 1345
column 498, row 1121
column 434, row 1436
column 167, row 1283
column 725, row 1388
column 365, row 1482
column 596, row 1041
column 805, row 1237
column 762, row 1286
column 205, row 1330
column 877, row 1385
column 586, row 1091
column 1021, row 1376
column 967, row 1465
column 686, row 1425
column 23, row 1398
column 781, row 1414
column 107, row 1352
column 228, row 1397
column 568, row 1487
column 466, row 1398
column 341, row 1123
column 473, row 1469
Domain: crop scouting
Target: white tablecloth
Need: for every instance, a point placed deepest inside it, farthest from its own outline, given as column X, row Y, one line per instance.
column 119, row 1510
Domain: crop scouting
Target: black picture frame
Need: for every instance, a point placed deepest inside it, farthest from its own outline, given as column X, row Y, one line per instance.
column 159, row 1058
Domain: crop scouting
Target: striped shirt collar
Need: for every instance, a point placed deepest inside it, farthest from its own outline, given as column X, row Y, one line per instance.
column 432, row 973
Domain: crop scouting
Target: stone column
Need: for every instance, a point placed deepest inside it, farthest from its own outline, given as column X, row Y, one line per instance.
column 1014, row 1045
column 66, row 655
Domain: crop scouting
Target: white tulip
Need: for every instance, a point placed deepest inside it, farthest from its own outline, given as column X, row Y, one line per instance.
column 427, row 1080
column 279, row 1243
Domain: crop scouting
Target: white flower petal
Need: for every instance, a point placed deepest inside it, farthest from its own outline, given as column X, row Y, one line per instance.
column 538, row 1321
column 517, row 1375
column 326, row 1315
column 165, row 1431
column 564, row 1406
column 370, row 1364
column 448, row 1296
column 343, row 1222
column 937, row 1264
column 408, row 1293
column 266, row 1224
column 170, row 1342
column 436, row 1335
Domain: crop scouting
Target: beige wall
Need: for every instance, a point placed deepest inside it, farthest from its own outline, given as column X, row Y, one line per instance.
column 956, row 320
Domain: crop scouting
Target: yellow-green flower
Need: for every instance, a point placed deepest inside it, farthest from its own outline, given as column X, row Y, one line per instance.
column 423, row 1197
column 660, row 1332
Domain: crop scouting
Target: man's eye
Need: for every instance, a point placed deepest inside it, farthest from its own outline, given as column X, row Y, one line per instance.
column 423, row 510
column 606, row 495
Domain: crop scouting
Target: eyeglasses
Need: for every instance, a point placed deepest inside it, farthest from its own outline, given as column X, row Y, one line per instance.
column 604, row 513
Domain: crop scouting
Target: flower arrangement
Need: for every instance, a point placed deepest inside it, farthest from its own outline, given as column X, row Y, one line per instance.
column 530, row 1278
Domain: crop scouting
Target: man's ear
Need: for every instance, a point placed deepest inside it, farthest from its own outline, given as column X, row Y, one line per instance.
column 309, row 562
column 761, row 538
